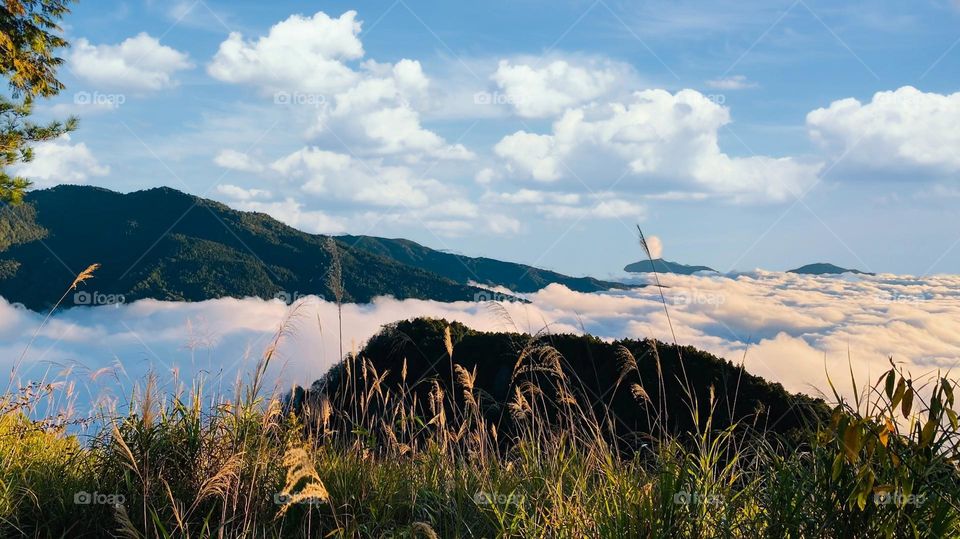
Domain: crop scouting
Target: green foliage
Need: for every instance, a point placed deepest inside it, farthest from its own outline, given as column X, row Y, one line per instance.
column 41, row 469
column 29, row 37
column 18, row 225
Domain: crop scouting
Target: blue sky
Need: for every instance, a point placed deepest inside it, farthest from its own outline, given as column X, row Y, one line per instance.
column 539, row 132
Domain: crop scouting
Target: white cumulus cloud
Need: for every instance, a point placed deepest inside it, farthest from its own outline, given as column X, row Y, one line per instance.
column 60, row 161
column 313, row 64
column 655, row 245
column 137, row 63
column 323, row 173
column 901, row 129
column 536, row 91
column 299, row 53
column 655, row 138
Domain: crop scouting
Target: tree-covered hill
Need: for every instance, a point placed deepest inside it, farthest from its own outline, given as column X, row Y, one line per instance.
column 165, row 244
column 593, row 368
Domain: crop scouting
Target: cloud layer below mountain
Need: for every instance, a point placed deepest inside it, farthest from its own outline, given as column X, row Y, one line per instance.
column 785, row 327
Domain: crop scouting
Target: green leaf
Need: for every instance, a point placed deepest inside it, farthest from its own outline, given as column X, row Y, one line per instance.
column 953, row 419
column 926, row 435
column 837, row 467
column 852, row 442
column 891, row 380
column 898, row 394
column 936, row 407
column 866, row 487
column 907, row 403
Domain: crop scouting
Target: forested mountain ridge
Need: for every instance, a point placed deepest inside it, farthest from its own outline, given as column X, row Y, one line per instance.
column 165, row 244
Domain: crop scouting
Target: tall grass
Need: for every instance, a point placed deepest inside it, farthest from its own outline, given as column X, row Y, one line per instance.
column 378, row 460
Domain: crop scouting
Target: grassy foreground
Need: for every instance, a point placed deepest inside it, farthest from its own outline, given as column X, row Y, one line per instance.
column 387, row 464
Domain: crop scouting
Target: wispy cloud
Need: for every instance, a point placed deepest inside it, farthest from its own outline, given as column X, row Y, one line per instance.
column 734, row 82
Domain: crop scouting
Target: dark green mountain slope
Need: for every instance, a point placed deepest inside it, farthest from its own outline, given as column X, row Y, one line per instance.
column 664, row 266
column 483, row 271
column 165, row 244
column 593, row 367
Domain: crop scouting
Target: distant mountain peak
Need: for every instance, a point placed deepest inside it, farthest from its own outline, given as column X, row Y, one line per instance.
column 825, row 268
column 665, row 266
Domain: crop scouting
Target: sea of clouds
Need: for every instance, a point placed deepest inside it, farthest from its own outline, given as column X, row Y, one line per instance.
column 785, row 327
